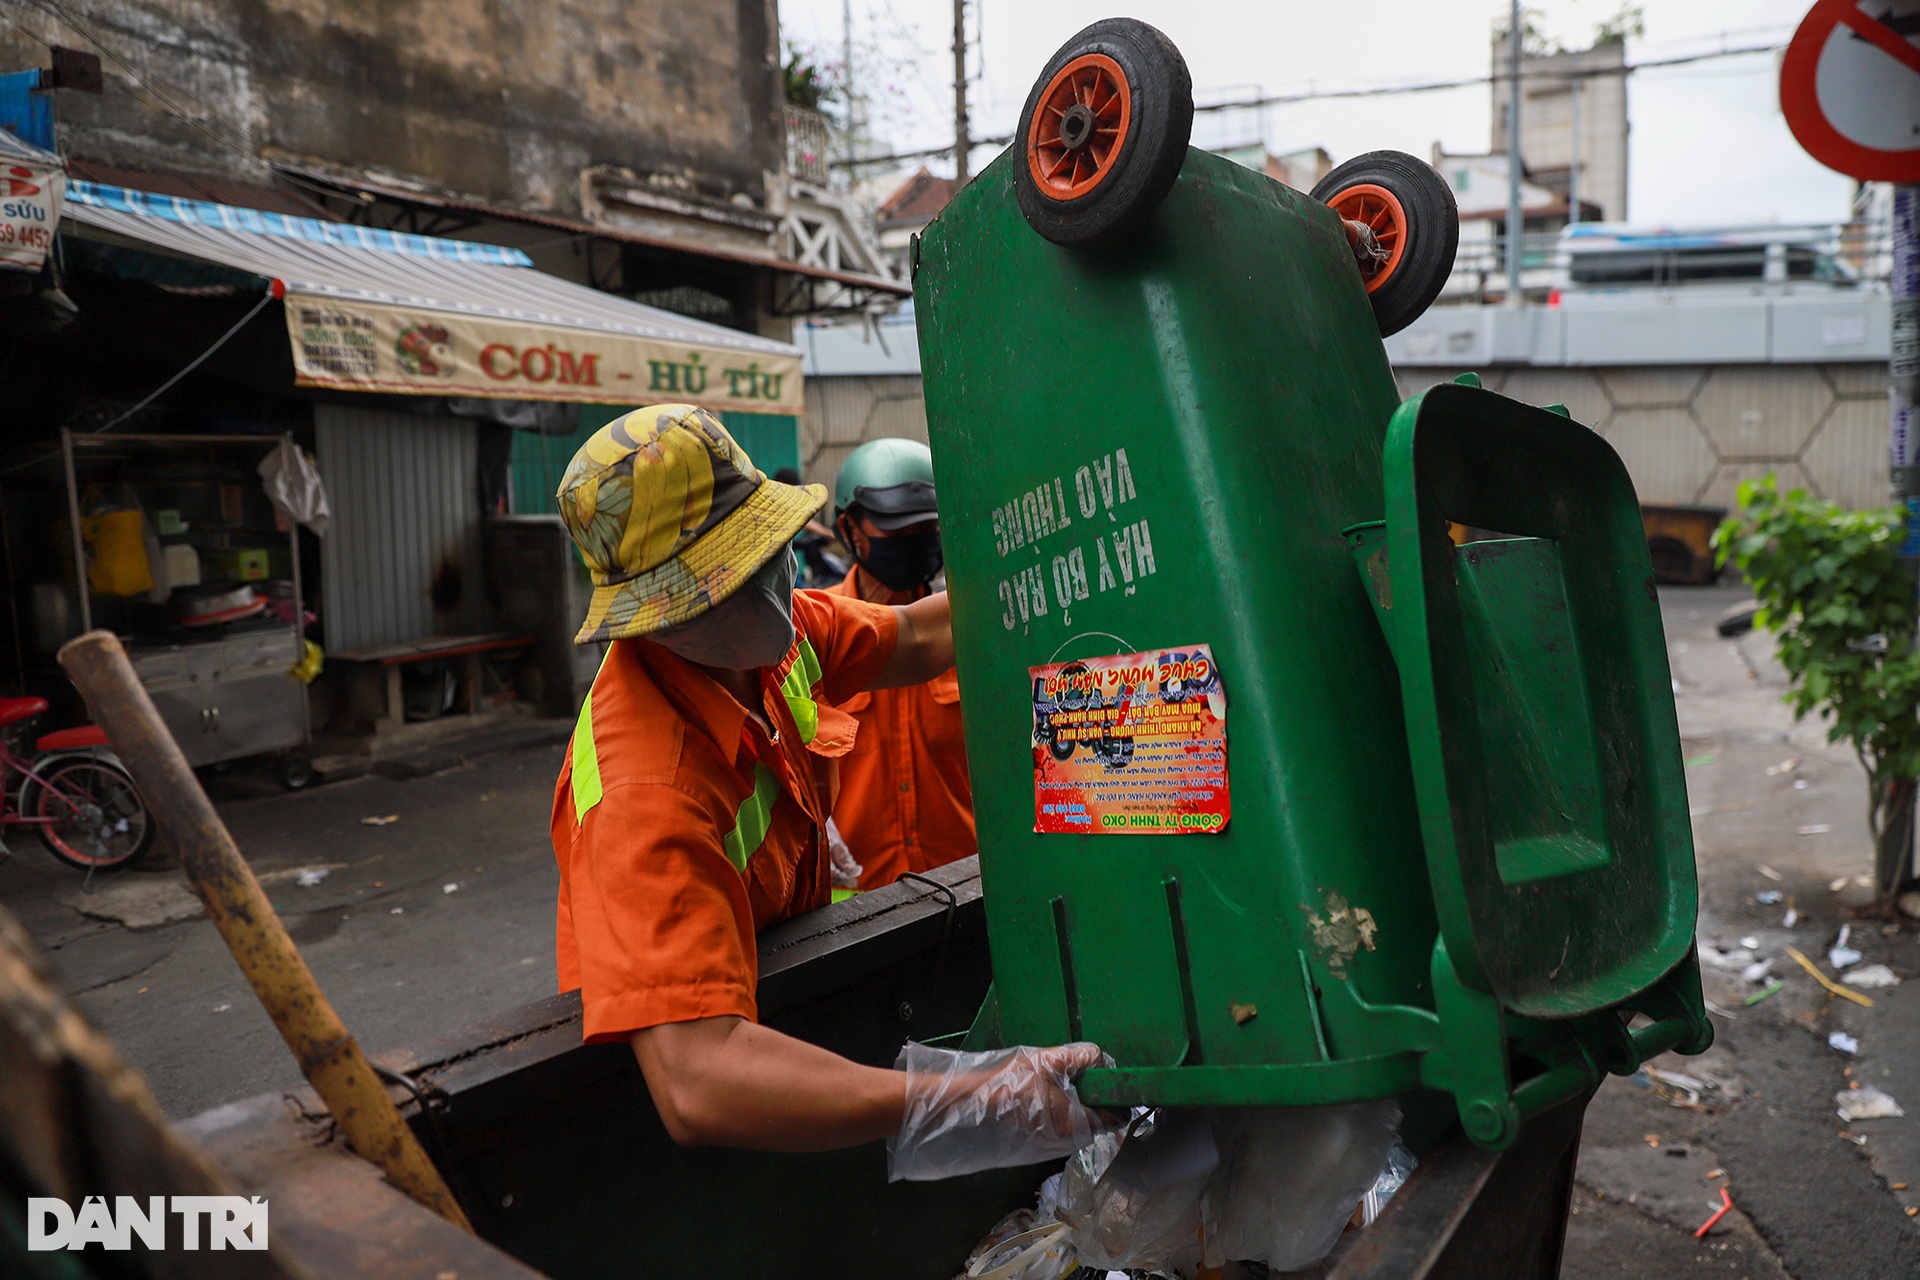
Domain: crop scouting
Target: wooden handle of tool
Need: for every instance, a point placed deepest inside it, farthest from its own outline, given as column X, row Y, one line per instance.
column 328, row 1056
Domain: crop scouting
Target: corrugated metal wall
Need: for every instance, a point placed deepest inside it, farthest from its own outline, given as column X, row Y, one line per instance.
column 406, row 512
column 846, row 412
column 772, row 440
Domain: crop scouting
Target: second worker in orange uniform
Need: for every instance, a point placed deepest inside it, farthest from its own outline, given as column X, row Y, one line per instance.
column 904, row 801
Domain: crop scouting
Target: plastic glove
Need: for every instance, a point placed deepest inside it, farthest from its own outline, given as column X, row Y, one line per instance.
column 996, row 1110
column 846, row 872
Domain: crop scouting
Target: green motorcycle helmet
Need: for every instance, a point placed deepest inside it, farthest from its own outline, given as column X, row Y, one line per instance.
column 890, row 481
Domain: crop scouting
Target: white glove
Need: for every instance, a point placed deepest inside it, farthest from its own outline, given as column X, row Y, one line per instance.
column 996, row 1110
column 846, row 872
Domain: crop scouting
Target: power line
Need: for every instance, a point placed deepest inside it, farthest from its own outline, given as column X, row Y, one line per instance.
column 1430, row 86
column 1374, row 91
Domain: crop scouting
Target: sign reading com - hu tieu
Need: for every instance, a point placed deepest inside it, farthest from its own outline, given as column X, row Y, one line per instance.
column 211, row 1222
column 358, row 346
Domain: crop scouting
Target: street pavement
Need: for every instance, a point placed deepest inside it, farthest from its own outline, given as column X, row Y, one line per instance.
column 1775, row 810
column 403, row 958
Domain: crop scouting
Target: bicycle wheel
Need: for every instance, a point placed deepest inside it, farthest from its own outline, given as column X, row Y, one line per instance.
column 98, row 819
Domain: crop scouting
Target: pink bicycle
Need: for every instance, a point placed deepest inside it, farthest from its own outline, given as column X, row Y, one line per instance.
column 72, row 791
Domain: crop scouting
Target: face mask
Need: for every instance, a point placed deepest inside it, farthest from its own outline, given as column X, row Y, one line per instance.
column 906, row 561
column 753, row 628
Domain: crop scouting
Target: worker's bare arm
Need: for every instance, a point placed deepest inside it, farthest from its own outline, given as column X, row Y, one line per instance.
column 925, row 645
column 732, row 1083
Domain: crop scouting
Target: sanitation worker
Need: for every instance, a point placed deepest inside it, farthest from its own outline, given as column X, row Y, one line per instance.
column 688, row 814
column 904, row 802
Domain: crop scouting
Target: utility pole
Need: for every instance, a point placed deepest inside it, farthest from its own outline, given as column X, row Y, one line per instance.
column 962, row 140
column 1573, row 165
column 1515, row 224
column 846, row 80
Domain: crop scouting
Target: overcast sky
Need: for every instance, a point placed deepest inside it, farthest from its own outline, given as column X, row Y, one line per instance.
column 1708, row 143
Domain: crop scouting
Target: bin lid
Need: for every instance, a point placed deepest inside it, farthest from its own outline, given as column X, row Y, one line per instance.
column 1539, row 712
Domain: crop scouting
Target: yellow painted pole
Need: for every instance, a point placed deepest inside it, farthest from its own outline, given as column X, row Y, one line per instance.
column 329, row 1057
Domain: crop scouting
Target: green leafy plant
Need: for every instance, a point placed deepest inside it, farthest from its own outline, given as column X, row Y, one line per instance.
column 1832, row 589
column 1533, row 34
column 1630, row 22
column 805, row 86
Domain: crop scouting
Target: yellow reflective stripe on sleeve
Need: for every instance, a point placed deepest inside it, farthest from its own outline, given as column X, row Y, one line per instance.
column 586, row 763
column 755, row 816
column 841, row 895
column 797, row 689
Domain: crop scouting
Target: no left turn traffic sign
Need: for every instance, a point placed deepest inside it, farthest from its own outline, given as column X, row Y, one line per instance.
column 1850, row 88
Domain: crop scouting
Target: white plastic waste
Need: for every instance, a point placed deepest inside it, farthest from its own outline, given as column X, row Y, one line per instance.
column 1268, row 1184
column 1866, row 1103
column 1869, row 976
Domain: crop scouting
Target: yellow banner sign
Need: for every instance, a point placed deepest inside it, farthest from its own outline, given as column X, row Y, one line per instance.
column 363, row 346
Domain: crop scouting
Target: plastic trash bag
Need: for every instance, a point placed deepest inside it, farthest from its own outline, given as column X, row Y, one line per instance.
column 994, row 1110
column 1185, row 1189
column 1291, row 1176
column 1146, row 1209
column 294, row 486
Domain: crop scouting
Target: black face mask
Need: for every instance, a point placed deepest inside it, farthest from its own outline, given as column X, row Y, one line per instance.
column 906, row 561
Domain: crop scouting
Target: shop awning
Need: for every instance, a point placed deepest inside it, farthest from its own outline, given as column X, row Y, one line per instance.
column 372, row 310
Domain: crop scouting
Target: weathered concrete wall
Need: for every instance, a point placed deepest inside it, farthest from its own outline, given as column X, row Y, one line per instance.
column 1691, row 433
column 1688, row 434
column 502, row 100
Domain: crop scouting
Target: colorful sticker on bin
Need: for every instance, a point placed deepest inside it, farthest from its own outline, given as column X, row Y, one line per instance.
column 1134, row 744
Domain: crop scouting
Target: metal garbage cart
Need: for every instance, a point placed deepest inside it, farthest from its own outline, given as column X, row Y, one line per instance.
column 1283, row 797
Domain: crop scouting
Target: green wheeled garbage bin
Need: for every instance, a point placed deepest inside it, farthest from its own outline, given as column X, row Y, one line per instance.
column 1283, row 798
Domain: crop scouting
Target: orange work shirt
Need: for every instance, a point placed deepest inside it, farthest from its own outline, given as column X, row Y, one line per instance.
column 905, row 802
column 682, row 827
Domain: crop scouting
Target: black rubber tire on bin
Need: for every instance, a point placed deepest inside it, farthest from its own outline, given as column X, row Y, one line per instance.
column 1431, row 228
column 1125, row 184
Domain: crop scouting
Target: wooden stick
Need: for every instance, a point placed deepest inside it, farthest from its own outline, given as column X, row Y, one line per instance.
column 329, row 1057
column 1833, row 988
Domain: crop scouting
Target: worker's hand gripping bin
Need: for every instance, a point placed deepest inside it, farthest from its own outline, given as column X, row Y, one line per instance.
column 1285, row 798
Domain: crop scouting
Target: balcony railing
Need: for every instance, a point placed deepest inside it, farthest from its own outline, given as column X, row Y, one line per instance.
column 807, row 145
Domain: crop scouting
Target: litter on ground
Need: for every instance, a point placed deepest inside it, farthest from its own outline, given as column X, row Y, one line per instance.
column 1814, row 829
column 1768, row 897
column 1832, row 987
column 1866, row 1103
column 379, row 821
column 1870, row 976
column 1769, row 872
column 1841, row 955
column 1726, row 1204
column 1843, row 1042
column 311, row 876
